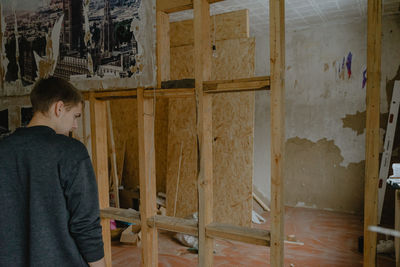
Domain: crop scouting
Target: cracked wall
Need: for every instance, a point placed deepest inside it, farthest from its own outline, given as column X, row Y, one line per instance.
column 325, row 113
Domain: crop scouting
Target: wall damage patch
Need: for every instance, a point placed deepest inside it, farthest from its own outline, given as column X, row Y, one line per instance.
column 357, row 122
column 338, row 188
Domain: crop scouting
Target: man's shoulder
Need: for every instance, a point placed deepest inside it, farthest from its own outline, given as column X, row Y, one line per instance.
column 71, row 146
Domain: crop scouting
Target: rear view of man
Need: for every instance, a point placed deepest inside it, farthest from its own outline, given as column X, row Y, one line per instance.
column 49, row 211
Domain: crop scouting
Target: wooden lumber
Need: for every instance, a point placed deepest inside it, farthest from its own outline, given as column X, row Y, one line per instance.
column 397, row 226
column 147, row 177
column 111, row 142
column 174, row 224
column 238, row 85
column 374, row 31
column 239, row 233
column 124, row 215
column 163, row 48
column 259, row 201
column 98, row 123
column 202, row 56
column 277, row 52
column 170, row 93
column 171, row 6
column 111, row 94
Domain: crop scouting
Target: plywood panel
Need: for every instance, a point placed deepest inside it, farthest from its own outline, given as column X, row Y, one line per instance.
column 124, row 116
column 230, row 25
column 233, row 134
column 231, row 61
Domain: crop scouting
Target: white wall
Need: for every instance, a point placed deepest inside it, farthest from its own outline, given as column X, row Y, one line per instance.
column 326, row 159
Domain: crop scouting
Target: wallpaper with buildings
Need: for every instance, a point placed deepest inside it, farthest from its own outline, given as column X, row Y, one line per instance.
column 74, row 39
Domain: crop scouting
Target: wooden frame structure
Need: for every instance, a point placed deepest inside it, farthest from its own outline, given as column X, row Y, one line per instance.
column 206, row 229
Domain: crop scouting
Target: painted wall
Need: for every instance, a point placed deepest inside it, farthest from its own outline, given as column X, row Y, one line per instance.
column 325, row 113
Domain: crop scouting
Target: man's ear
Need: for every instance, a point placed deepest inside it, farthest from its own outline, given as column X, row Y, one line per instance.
column 59, row 108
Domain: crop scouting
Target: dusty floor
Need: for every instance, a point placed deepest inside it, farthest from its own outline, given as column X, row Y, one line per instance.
column 330, row 239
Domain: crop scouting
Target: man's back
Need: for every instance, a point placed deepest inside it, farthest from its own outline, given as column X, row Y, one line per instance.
column 48, row 201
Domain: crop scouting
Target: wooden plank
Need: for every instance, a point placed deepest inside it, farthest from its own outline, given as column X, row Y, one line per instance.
column 216, row 87
column 109, row 95
column 230, row 25
column 239, row 233
column 98, row 123
column 374, row 31
column 397, row 226
column 111, row 142
column 170, row 93
column 277, row 52
column 171, row 6
column 163, row 48
column 202, row 56
column 262, row 204
column 147, row 177
column 174, row 224
column 124, row 215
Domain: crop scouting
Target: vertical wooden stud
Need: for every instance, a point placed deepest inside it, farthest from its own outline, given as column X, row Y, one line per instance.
column 163, row 48
column 111, row 142
column 397, row 226
column 374, row 30
column 277, row 51
column 202, row 59
column 147, row 178
column 98, row 123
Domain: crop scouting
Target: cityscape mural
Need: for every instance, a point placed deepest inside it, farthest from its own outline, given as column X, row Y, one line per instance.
column 71, row 39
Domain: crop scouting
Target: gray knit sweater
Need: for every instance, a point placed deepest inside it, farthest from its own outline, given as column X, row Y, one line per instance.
column 49, row 211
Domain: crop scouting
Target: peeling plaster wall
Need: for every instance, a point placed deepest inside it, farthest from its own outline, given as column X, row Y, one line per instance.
column 325, row 114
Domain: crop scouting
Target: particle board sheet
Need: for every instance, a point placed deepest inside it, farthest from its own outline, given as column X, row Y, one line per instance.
column 232, row 59
column 228, row 26
column 233, row 135
column 125, row 125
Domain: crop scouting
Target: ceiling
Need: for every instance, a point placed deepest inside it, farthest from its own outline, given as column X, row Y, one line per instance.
column 299, row 13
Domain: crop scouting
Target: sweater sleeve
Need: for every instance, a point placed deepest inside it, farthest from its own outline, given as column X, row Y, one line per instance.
column 81, row 194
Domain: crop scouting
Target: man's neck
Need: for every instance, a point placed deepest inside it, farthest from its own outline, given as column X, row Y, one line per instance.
column 40, row 119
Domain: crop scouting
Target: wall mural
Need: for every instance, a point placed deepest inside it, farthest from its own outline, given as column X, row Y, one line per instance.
column 72, row 39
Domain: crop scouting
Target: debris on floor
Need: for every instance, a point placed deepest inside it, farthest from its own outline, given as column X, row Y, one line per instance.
column 131, row 235
column 256, row 218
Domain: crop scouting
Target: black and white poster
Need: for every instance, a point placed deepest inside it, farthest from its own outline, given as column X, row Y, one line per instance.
column 75, row 39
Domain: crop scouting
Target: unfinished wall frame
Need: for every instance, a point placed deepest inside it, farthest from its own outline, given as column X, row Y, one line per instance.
column 205, row 229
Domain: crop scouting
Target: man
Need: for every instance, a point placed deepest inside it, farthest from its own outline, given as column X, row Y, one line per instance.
column 49, row 211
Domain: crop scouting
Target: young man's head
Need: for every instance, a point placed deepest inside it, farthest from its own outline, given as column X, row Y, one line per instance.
column 57, row 104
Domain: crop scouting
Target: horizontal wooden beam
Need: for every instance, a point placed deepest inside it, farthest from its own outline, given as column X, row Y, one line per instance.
column 125, row 215
column 190, row 227
column 170, row 93
column 239, row 233
column 111, row 94
column 210, row 87
column 174, row 224
column 171, row 6
column 239, row 85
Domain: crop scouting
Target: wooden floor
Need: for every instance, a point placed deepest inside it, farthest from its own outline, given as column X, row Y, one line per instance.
column 330, row 239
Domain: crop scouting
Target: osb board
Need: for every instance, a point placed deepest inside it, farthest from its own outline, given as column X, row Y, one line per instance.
column 229, row 26
column 231, row 61
column 124, row 116
column 233, row 134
